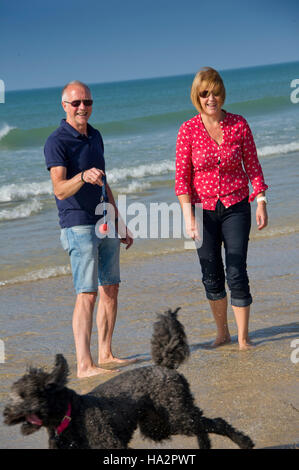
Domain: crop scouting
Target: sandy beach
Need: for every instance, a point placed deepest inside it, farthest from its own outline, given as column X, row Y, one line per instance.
column 256, row 391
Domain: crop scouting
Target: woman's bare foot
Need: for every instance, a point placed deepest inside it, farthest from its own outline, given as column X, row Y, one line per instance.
column 94, row 370
column 246, row 345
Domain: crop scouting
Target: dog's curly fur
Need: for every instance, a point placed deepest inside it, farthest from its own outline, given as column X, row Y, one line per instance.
column 157, row 399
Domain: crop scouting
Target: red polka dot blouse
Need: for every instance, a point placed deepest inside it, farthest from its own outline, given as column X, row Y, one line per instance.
column 208, row 171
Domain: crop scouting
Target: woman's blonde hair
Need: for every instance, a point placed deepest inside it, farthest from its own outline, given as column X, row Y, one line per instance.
column 206, row 79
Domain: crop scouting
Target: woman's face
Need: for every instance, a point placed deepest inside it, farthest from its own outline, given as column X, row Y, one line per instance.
column 211, row 102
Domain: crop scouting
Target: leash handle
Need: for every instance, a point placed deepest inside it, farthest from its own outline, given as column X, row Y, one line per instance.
column 104, row 198
column 104, row 192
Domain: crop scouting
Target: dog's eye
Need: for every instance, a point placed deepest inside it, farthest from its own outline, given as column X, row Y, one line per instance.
column 51, row 387
column 22, row 395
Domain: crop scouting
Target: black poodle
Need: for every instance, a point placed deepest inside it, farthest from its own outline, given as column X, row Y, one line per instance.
column 157, row 399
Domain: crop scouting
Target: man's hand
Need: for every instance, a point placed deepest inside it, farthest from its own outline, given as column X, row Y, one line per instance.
column 128, row 240
column 93, row 176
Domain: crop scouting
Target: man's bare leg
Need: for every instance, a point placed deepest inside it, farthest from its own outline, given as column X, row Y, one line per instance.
column 82, row 327
column 242, row 319
column 219, row 309
column 106, row 318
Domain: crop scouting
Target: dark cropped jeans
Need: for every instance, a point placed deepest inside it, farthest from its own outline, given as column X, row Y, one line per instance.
column 230, row 226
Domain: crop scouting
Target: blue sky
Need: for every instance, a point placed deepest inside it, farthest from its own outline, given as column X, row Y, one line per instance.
column 47, row 43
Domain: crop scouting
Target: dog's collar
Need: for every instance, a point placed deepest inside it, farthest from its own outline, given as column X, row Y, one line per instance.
column 65, row 422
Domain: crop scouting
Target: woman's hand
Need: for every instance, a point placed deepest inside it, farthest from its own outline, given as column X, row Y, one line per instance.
column 191, row 229
column 261, row 215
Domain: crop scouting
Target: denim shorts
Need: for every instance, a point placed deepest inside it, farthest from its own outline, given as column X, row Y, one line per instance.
column 94, row 261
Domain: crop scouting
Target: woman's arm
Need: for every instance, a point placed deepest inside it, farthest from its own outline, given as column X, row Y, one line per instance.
column 255, row 174
column 251, row 163
column 261, row 214
column 189, row 216
column 183, row 179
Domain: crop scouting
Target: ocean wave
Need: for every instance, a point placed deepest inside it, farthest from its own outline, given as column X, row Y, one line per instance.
column 21, row 211
column 278, row 149
column 154, row 169
column 21, row 191
column 259, row 106
column 134, row 187
column 5, row 130
column 36, row 137
column 39, row 274
column 16, row 138
column 274, row 232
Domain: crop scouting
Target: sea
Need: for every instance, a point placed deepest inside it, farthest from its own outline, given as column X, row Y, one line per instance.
column 139, row 122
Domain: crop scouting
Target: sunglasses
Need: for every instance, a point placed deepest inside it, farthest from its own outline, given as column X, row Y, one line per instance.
column 206, row 93
column 76, row 103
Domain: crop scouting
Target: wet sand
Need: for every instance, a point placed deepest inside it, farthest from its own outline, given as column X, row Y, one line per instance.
column 256, row 391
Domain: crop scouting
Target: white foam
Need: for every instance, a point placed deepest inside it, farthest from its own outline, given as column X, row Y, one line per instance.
column 154, row 169
column 17, row 192
column 5, row 129
column 278, row 149
column 275, row 232
column 134, row 187
column 21, row 211
column 45, row 273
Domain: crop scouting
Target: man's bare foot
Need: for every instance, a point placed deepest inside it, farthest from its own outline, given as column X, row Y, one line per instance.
column 117, row 360
column 220, row 341
column 94, row 370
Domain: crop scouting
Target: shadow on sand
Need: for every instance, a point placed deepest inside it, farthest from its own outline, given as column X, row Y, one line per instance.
column 263, row 335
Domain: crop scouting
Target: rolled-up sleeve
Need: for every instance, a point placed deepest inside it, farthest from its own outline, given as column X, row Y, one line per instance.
column 251, row 163
column 183, row 162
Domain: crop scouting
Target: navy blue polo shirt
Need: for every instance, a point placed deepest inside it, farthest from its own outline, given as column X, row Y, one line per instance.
column 76, row 152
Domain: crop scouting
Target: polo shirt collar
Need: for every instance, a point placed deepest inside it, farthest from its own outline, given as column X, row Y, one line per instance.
column 71, row 130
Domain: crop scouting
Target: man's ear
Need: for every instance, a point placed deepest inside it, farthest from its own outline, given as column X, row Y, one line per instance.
column 63, row 104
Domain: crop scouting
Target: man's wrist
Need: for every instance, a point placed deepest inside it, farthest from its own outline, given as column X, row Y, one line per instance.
column 82, row 177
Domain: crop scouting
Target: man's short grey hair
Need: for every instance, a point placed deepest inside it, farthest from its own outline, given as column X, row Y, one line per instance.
column 74, row 82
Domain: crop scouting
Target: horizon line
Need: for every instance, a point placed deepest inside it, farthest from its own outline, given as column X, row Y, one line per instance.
column 152, row 78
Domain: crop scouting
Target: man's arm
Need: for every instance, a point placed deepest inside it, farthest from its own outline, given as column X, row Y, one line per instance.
column 64, row 188
column 126, row 236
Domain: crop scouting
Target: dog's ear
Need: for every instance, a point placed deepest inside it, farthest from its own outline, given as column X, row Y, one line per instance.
column 57, row 379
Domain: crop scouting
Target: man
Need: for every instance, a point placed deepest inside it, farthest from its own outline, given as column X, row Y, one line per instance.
column 75, row 158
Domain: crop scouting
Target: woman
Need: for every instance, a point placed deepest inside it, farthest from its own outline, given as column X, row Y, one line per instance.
column 215, row 156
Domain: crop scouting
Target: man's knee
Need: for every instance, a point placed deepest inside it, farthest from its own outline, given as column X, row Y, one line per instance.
column 109, row 293
column 89, row 297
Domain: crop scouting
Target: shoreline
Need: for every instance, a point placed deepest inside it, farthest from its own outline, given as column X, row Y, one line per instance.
column 155, row 248
column 256, row 391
